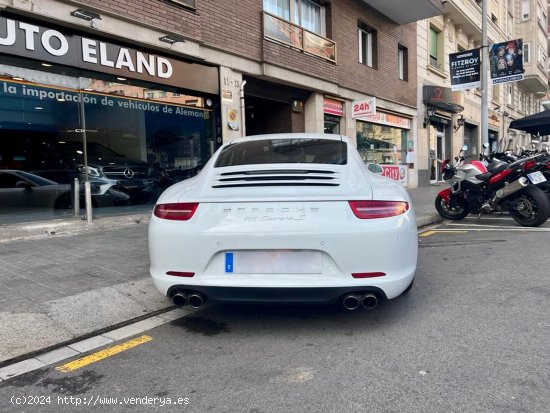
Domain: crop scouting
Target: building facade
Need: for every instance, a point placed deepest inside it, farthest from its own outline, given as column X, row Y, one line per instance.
column 441, row 134
column 134, row 96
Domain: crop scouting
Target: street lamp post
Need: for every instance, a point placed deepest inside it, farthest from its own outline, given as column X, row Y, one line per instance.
column 484, row 88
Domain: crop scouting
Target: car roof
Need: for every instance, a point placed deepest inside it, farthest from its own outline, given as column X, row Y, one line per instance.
column 272, row 136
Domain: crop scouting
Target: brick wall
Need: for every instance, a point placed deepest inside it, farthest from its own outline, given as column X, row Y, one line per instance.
column 157, row 13
column 382, row 81
column 236, row 26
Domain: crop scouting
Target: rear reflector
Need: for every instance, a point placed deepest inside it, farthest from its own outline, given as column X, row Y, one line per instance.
column 378, row 209
column 177, row 212
column 368, row 274
column 180, row 274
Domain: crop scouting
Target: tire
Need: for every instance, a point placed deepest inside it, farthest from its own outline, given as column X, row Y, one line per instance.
column 533, row 207
column 457, row 209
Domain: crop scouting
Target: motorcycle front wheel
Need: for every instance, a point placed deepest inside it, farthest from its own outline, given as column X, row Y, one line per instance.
column 456, row 209
column 531, row 207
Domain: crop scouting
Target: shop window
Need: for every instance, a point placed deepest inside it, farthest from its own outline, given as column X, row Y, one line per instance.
column 332, row 124
column 367, row 45
column 138, row 142
column 381, row 144
column 403, row 62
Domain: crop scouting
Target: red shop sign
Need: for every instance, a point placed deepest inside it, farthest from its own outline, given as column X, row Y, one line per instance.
column 333, row 107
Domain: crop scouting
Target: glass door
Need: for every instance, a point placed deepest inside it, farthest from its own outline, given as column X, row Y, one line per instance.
column 436, row 155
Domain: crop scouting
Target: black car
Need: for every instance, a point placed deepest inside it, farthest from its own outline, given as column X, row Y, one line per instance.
column 135, row 178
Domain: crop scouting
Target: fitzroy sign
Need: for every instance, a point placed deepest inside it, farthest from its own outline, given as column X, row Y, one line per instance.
column 60, row 47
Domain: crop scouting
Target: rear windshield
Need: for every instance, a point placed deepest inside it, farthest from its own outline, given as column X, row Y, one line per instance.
column 322, row 151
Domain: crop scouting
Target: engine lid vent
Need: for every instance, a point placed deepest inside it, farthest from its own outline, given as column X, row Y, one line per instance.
column 277, row 177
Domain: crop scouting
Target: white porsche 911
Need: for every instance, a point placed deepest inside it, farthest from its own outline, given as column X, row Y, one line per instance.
column 284, row 218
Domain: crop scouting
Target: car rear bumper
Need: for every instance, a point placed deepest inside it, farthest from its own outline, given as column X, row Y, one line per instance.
column 274, row 295
column 346, row 244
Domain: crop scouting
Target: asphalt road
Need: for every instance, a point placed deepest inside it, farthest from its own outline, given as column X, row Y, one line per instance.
column 472, row 336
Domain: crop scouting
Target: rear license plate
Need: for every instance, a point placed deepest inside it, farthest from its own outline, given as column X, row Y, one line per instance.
column 536, row 177
column 273, row 262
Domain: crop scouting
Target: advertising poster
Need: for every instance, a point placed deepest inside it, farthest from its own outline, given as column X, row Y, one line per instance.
column 506, row 61
column 465, row 69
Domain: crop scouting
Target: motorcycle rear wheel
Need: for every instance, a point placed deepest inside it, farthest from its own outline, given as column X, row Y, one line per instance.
column 456, row 209
column 532, row 207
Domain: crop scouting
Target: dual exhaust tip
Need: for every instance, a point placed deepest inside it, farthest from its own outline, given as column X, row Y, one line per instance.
column 181, row 299
column 352, row 302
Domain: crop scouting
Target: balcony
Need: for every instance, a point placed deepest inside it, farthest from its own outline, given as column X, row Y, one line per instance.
column 409, row 11
column 282, row 31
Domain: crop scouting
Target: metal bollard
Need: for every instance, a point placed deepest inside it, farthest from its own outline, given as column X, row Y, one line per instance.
column 76, row 197
column 88, row 196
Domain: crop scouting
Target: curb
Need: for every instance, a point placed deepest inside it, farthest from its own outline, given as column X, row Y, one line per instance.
column 428, row 220
column 84, row 344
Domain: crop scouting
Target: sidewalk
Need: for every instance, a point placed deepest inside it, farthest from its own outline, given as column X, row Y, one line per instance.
column 64, row 279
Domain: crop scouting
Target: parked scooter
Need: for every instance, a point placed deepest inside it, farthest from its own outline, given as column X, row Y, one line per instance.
column 506, row 187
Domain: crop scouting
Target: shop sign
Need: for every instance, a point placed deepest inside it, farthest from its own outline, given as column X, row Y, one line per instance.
column 465, row 69
column 48, row 95
column 364, row 107
column 389, row 120
column 506, row 61
column 396, row 172
column 66, row 48
column 443, row 98
column 333, row 107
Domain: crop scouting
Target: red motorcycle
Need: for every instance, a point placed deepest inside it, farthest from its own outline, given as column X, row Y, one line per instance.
column 510, row 187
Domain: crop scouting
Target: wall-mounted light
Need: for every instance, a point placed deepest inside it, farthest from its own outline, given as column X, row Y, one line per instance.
column 171, row 39
column 85, row 14
column 430, row 113
column 459, row 123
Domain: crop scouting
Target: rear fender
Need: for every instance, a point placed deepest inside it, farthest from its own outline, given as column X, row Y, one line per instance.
column 445, row 194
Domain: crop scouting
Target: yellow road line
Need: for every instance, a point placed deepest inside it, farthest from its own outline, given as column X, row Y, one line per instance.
column 102, row 354
column 440, row 231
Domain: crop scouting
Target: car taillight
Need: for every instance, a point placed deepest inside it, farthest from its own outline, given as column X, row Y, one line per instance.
column 378, row 209
column 528, row 165
column 177, row 212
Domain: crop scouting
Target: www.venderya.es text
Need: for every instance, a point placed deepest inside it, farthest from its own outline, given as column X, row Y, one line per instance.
column 99, row 401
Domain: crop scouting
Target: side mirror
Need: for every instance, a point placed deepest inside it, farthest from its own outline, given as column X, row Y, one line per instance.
column 464, row 148
column 23, row 184
column 375, row 168
column 485, row 145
